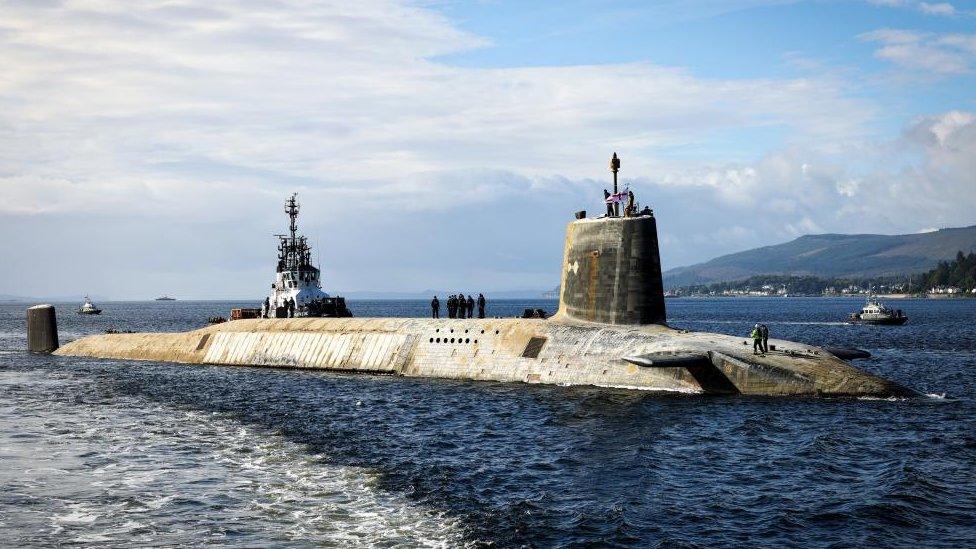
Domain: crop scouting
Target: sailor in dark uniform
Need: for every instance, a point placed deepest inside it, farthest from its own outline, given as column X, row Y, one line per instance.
column 470, row 306
column 481, row 306
column 435, row 308
column 460, row 305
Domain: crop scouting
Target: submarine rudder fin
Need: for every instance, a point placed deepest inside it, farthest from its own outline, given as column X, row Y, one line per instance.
column 699, row 364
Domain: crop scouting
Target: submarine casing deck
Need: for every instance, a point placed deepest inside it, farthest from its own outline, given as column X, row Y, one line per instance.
column 519, row 350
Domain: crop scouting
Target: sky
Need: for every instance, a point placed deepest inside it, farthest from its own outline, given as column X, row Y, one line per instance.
column 147, row 147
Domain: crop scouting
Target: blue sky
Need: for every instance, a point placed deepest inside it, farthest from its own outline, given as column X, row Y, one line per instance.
column 726, row 40
column 148, row 145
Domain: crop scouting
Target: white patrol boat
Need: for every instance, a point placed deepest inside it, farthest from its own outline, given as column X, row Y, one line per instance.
column 874, row 312
column 89, row 308
column 297, row 290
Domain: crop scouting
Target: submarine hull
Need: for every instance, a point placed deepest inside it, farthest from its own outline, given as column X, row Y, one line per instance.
column 556, row 351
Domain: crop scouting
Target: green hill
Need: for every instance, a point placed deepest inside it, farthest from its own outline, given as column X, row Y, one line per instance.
column 833, row 256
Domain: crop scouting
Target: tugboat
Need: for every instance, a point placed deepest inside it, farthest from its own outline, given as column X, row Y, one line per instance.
column 89, row 308
column 297, row 290
column 874, row 312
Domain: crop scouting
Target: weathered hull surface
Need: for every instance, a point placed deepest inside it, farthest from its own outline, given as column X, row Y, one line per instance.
column 556, row 351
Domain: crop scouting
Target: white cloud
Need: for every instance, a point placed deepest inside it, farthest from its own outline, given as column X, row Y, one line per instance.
column 105, row 94
column 929, row 8
column 962, row 42
column 944, row 54
column 940, row 8
column 168, row 134
column 926, row 175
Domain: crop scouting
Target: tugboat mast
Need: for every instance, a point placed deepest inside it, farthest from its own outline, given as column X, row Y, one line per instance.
column 294, row 253
column 291, row 208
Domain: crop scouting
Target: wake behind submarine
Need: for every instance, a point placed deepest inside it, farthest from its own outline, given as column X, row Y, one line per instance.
column 609, row 331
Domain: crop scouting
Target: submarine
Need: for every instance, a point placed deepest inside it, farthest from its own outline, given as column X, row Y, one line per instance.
column 610, row 330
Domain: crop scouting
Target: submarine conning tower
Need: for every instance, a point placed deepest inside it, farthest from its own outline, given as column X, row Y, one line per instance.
column 612, row 271
column 612, row 266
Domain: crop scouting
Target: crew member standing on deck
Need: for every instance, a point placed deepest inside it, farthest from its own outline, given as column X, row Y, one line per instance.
column 481, row 306
column 460, row 305
column 451, row 306
column 267, row 307
column 606, row 200
column 470, row 306
column 756, row 336
column 764, row 333
column 435, row 308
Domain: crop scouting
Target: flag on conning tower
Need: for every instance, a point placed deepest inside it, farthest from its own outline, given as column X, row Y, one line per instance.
column 617, row 197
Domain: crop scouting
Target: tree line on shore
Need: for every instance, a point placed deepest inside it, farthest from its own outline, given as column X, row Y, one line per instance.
column 957, row 273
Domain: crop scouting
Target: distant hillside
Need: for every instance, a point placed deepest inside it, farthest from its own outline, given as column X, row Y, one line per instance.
column 833, row 256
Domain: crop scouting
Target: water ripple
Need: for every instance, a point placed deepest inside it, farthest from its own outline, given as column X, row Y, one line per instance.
column 133, row 454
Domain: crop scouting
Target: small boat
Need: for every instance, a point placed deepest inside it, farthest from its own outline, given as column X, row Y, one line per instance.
column 89, row 308
column 874, row 312
column 165, row 298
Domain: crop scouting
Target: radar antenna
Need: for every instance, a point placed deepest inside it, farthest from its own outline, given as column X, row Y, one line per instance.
column 291, row 208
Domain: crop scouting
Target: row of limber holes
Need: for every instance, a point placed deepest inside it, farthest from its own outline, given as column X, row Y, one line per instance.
column 459, row 340
column 453, row 339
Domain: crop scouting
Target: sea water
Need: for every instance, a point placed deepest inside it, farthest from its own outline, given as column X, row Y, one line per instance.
column 111, row 453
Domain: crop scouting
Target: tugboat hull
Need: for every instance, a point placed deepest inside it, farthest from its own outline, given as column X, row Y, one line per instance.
column 896, row 321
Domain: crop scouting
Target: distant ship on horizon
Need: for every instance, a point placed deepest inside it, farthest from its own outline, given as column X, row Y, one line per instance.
column 165, row 297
